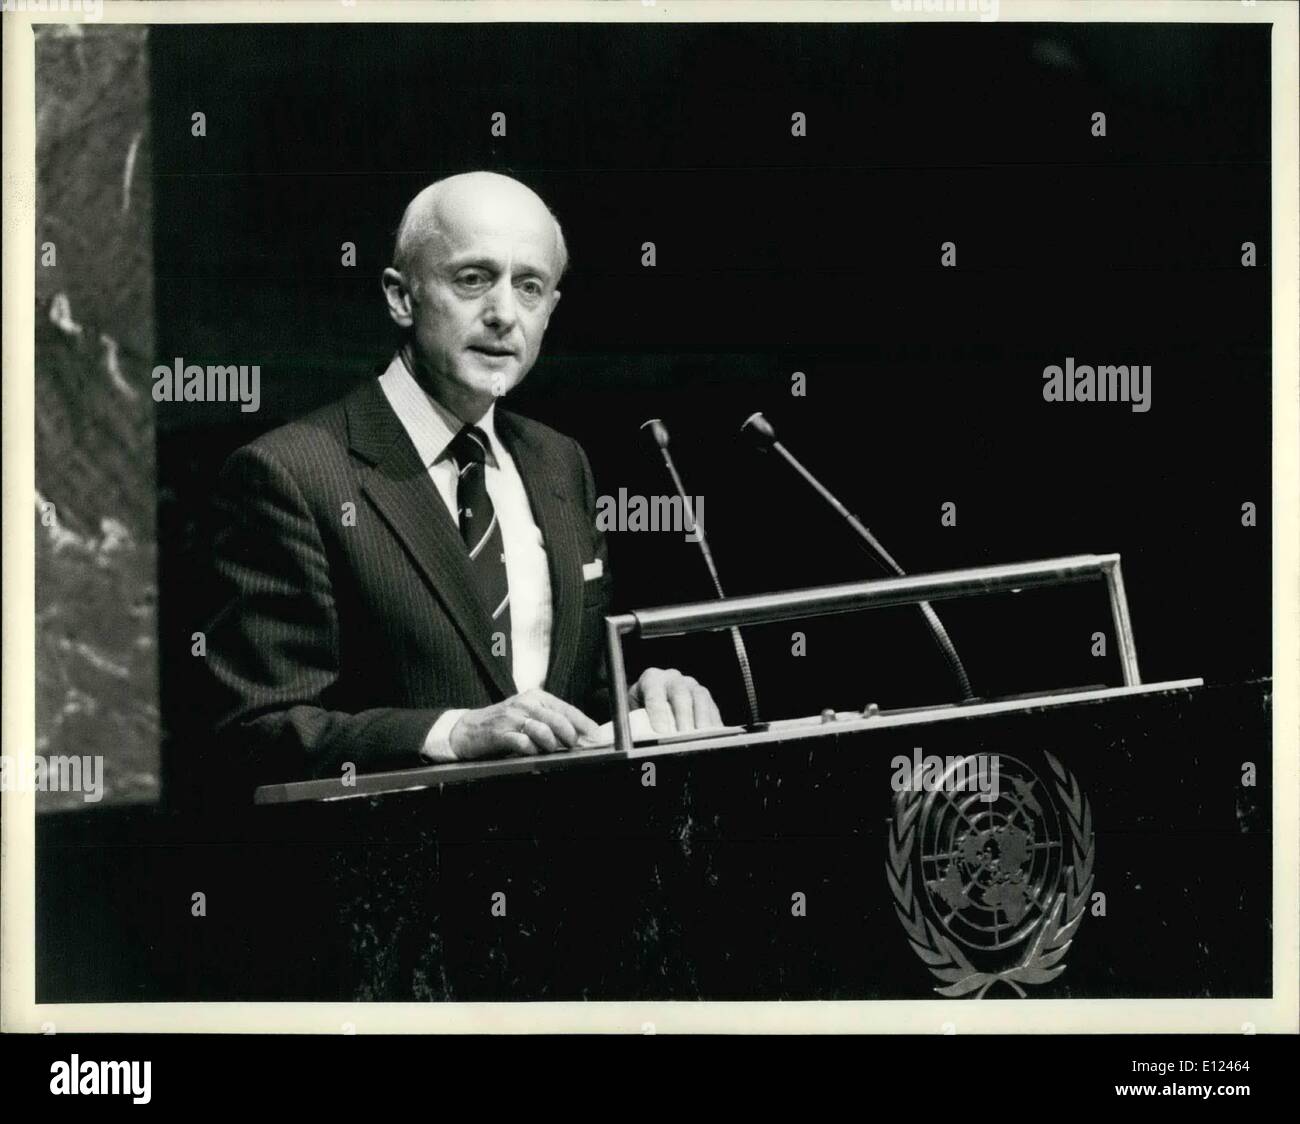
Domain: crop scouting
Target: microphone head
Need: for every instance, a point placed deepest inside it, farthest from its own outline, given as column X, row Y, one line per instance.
column 658, row 431
column 760, row 429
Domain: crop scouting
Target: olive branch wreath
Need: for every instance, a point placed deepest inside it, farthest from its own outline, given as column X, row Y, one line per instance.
column 1041, row 962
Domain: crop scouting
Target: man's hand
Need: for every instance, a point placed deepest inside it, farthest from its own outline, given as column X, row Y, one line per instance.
column 529, row 723
column 675, row 703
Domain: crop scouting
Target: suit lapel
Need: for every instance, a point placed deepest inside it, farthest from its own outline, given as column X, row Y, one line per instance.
column 559, row 518
column 398, row 484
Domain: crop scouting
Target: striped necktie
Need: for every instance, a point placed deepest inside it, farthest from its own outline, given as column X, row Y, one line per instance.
column 481, row 530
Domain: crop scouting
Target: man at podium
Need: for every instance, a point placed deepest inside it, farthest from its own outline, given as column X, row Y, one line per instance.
column 413, row 574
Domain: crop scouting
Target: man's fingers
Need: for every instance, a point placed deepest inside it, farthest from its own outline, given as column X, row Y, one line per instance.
column 520, row 732
column 654, row 698
column 675, row 703
column 526, row 724
column 582, row 725
column 529, row 723
column 683, row 704
column 652, row 680
column 560, row 726
column 519, row 744
column 540, row 734
column 706, row 710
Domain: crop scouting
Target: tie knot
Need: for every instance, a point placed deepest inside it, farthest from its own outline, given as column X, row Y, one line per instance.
column 469, row 446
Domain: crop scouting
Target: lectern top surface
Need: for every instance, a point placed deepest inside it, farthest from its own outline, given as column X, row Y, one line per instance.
column 793, row 729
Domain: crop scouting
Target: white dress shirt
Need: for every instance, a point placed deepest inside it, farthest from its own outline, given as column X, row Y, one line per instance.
column 431, row 427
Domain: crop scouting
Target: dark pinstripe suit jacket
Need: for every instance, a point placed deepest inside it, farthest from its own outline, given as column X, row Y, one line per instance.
column 347, row 619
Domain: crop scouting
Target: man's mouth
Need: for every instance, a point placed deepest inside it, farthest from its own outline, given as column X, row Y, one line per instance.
column 491, row 349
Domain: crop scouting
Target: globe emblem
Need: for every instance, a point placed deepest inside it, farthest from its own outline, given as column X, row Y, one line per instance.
column 990, row 868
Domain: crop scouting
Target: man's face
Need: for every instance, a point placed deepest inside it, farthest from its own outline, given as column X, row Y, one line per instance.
column 481, row 290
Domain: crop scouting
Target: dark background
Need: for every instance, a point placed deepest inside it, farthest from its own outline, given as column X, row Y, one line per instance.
column 779, row 254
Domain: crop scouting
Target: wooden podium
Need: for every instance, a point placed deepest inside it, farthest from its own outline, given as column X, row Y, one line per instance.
column 686, row 888
column 1126, row 853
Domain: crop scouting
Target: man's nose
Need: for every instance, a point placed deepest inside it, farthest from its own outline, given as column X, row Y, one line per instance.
column 499, row 309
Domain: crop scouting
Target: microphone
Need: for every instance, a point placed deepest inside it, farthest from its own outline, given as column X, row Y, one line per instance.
column 659, row 432
column 761, row 432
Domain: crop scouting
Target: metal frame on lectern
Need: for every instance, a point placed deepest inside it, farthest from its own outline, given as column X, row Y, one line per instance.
column 851, row 597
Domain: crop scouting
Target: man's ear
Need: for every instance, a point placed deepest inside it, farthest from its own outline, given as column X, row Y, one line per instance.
column 398, row 296
column 555, row 299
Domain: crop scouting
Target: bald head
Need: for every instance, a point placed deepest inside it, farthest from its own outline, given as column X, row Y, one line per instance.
column 468, row 200
column 473, row 283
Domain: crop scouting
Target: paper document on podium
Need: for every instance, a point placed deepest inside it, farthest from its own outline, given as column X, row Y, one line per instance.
column 643, row 731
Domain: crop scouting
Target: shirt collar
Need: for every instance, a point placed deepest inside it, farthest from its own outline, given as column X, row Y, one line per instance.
column 429, row 423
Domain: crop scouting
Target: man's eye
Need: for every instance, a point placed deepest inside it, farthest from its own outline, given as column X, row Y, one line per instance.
column 531, row 288
column 472, row 279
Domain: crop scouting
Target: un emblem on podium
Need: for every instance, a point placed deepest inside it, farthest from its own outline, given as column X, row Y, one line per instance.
column 991, row 882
